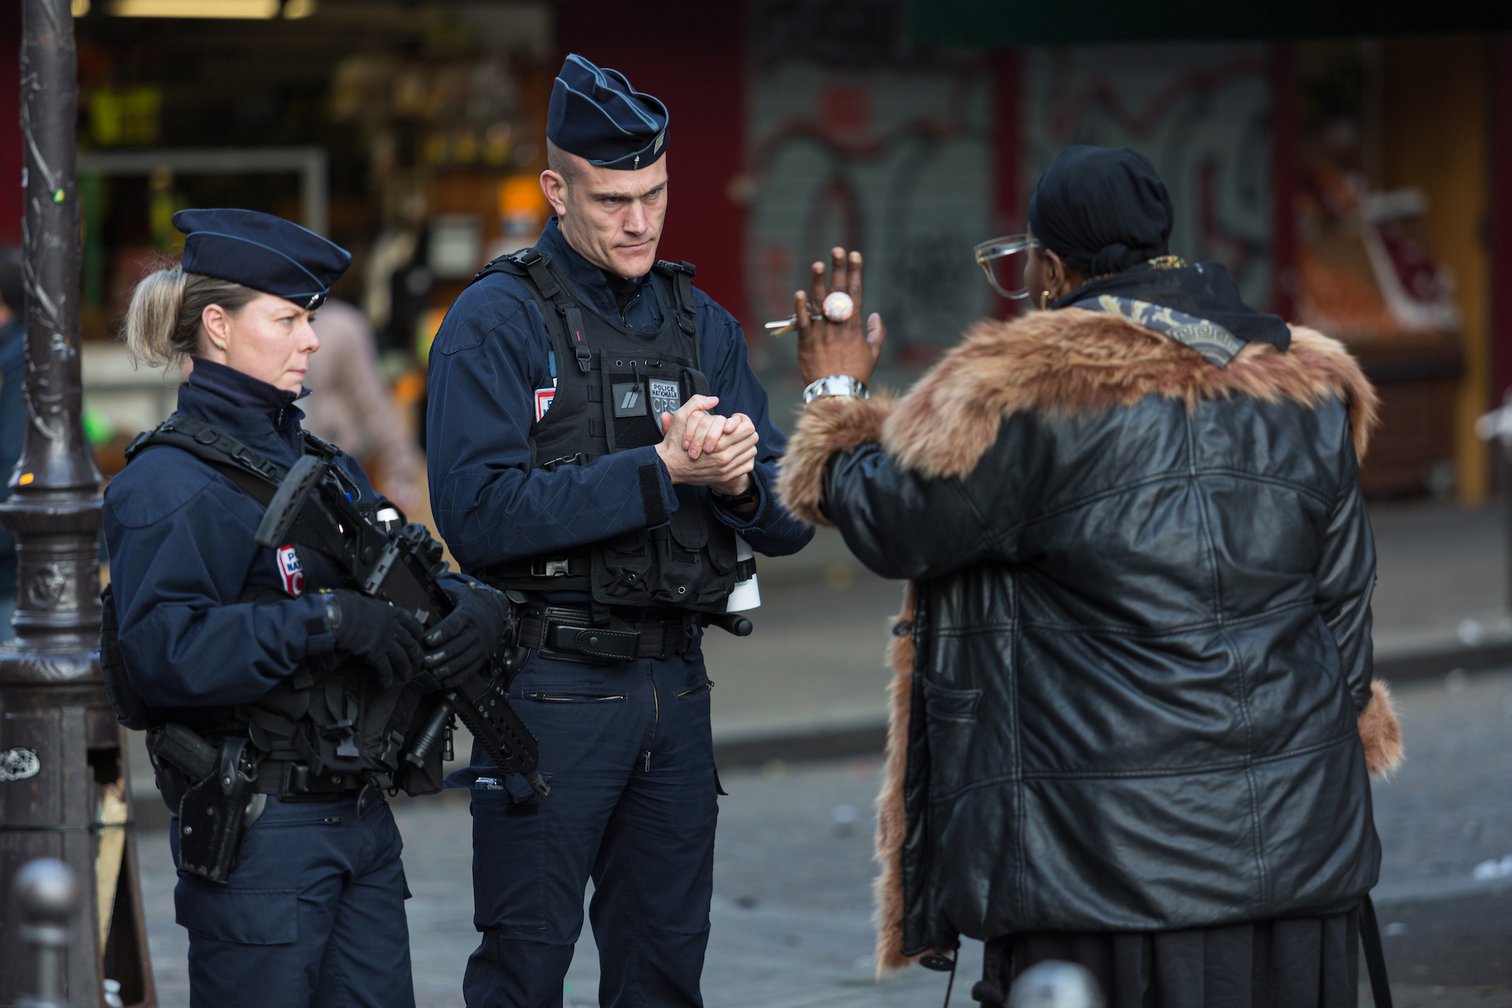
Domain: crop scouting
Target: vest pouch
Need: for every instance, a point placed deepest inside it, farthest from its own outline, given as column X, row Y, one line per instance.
column 391, row 719
column 688, row 563
column 345, row 716
column 314, row 722
column 344, row 723
column 622, row 569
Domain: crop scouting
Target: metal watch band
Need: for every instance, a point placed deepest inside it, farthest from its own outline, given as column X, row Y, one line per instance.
column 848, row 386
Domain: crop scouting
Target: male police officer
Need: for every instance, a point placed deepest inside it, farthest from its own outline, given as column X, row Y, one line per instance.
column 577, row 460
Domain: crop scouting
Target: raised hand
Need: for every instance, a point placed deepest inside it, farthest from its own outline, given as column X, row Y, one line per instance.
column 827, row 343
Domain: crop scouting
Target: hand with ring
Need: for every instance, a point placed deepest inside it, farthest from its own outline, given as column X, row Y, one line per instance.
column 836, row 342
column 836, row 307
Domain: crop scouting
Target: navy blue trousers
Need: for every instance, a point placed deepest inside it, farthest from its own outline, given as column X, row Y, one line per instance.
column 312, row 915
column 629, row 756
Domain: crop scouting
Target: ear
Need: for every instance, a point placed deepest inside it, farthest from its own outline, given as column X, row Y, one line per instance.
column 215, row 321
column 1056, row 273
column 555, row 189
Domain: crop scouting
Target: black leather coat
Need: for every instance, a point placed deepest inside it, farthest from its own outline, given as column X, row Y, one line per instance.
column 1138, row 637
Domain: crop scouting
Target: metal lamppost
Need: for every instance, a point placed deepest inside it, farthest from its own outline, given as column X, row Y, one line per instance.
column 63, row 782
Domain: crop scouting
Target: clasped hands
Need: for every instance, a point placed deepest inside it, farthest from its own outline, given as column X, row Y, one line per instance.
column 705, row 448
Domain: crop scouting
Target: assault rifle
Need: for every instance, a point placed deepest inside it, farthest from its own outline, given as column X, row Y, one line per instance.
column 401, row 568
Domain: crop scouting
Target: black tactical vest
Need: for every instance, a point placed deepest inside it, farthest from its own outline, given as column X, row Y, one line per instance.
column 612, row 385
column 330, row 715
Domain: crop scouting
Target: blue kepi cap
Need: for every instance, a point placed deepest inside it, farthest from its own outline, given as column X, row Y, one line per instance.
column 598, row 116
column 261, row 251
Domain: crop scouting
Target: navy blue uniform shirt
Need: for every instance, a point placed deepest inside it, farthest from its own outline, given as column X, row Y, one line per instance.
column 182, row 555
column 491, row 356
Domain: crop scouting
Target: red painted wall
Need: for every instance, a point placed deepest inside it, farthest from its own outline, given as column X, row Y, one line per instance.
column 1499, row 129
column 696, row 65
column 12, row 206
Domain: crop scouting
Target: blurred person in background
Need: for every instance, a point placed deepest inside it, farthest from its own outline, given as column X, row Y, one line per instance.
column 1134, row 712
column 351, row 404
column 12, row 411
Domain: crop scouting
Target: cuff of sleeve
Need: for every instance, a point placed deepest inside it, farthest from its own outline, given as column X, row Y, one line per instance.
column 320, row 636
column 762, row 491
column 658, row 498
column 827, row 426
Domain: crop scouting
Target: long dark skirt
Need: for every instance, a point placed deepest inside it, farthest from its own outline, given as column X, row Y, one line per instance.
column 1308, row 962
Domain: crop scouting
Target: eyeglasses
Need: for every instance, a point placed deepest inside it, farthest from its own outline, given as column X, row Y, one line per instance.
column 1005, row 273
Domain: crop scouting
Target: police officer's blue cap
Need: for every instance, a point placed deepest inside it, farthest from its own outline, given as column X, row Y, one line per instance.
column 596, row 114
column 261, row 251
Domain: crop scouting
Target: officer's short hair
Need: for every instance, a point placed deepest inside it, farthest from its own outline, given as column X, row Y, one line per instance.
column 561, row 162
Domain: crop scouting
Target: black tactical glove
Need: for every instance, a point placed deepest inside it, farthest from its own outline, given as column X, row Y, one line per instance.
column 470, row 636
column 388, row 639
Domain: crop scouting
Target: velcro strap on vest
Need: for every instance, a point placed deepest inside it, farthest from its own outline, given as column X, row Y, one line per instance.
column 572, row 631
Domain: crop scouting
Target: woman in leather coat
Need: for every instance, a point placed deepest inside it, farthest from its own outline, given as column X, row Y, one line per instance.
column 1133, row 711
column 257, row 655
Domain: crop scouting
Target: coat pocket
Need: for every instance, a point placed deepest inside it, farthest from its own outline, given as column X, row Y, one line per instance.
column 950, row 718
column 946, row 704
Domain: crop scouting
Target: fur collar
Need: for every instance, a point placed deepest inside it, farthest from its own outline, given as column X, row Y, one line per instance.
column 1077, row 361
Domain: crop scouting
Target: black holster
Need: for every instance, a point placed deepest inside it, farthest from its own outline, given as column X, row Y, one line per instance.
column 218, row 803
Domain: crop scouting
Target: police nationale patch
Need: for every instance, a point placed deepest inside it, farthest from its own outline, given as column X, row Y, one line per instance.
column 543, row 398
column 290, row 571
column 666, row 396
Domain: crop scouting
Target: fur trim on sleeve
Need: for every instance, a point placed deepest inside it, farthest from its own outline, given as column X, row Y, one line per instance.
column 827, row 426
column 887, row 887
column 1380, row 733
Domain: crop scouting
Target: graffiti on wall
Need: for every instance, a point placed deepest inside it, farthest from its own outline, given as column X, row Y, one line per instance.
column 876, row 149
column 893, row 151
column 1200, row 113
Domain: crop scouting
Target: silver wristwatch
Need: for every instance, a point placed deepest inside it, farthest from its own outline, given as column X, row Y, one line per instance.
column 835, row 385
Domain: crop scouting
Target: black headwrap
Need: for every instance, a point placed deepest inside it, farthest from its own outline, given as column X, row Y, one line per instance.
column 1102, row 209
column 1105, row 211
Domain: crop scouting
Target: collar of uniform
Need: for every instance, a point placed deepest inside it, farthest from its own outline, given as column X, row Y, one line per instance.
column 591, row 282
column 210, row 383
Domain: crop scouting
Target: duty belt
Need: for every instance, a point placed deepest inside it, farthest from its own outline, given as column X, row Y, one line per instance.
column 572, row 632
column 292, row 779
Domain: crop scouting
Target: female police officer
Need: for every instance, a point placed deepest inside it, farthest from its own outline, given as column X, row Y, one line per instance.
column 244, row 652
